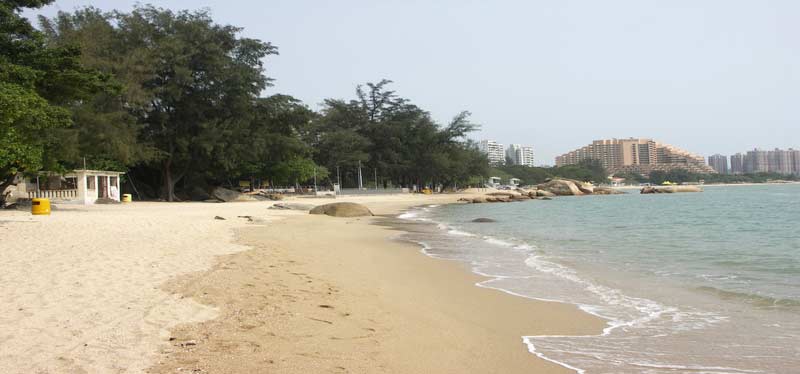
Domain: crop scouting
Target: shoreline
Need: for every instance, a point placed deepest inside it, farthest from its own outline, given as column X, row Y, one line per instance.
column 448, row 292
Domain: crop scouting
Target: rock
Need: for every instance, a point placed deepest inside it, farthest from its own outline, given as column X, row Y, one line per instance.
column 585, row 188
column 292, row 206
column 607, row 191
column 521, row 198
column 670, row 189
column 547, row 198
column 219, row 218
column 105, row 200
column 483, row 220
column 561, row 187
column 503, row 193
column 687, row 189
column 248, row 218
column 197, row 193
column 271, row 196
column 224, row 194
column 479, row 200
column 342, row 210
column 543, row 193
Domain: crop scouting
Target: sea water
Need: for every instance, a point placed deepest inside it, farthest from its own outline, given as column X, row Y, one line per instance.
column 688, row 283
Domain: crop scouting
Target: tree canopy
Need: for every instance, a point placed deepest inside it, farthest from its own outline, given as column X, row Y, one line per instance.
column 38, row 85
column 176, row 100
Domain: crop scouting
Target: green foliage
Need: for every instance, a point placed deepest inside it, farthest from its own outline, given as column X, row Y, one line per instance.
column 387, row 134
column 585, row 171
column 37, row 84
column 684, row 176
column 174, row 97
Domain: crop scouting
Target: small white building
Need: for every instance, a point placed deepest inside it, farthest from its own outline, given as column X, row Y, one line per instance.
column 81, row 186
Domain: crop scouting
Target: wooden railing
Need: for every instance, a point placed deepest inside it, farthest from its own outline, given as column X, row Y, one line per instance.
column 54, row 194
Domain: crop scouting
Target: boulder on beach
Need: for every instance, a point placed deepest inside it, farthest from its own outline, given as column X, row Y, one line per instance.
column 483, row 220
column 342, row 210
column 226, row 195
column 197, row 193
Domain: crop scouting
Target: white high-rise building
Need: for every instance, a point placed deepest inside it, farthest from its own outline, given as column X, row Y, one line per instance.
column 520, row 155
column 493, row 150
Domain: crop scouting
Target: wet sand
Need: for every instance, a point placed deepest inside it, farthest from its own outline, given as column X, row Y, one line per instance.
column 319, row 294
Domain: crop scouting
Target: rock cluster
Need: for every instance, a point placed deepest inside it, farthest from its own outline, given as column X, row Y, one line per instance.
column 544, row 191
column 670, row 189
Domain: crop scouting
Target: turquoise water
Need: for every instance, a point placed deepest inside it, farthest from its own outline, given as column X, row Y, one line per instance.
column 689, row 283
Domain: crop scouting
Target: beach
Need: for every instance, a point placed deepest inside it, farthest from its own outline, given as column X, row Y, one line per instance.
column 166, row 287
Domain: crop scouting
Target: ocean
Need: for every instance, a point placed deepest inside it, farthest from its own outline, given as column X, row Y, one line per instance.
column 689, row 283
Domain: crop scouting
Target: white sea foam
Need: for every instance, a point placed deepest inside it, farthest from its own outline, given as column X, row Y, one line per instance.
column 408, row 215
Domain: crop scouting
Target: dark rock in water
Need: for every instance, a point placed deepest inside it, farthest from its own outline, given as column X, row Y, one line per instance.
column 648, row 190
column 219, row 218
column 342, row 210
column 546, row 198
column 479, row 200
column 483, row 220
column 670, row 189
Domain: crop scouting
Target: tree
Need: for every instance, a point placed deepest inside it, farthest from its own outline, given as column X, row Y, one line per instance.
column 105, row 132
column 399, row 140
column 199, row 81
column 37, row 84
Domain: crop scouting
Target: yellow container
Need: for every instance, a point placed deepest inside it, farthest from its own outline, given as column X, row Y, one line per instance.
column 40, row 207
column 126, row 198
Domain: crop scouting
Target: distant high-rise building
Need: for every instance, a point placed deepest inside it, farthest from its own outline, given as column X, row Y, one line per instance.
column 737, row 164
column 520, row 155
column 494, row 151
column 756, row 161
column 636, row 155
column 795, row 154
column 719, row 163
column 778, row 161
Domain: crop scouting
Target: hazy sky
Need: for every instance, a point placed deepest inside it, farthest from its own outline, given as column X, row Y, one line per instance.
column 709, row 76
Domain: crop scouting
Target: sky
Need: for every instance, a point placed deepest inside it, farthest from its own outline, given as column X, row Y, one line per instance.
column 712, row 76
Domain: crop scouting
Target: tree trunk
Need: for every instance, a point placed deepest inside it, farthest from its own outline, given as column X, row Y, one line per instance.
column 169, row 184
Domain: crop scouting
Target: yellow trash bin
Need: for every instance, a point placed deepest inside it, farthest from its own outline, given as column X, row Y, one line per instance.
column 126, row 198
column 40, row 207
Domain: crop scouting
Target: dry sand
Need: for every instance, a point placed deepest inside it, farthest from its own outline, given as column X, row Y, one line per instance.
column 103, row 289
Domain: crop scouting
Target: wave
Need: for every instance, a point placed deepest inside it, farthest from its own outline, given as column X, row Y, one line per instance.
column 622, row 312
column 757, row 300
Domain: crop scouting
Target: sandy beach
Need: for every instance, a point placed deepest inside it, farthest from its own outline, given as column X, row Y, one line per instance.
column 166, row 288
